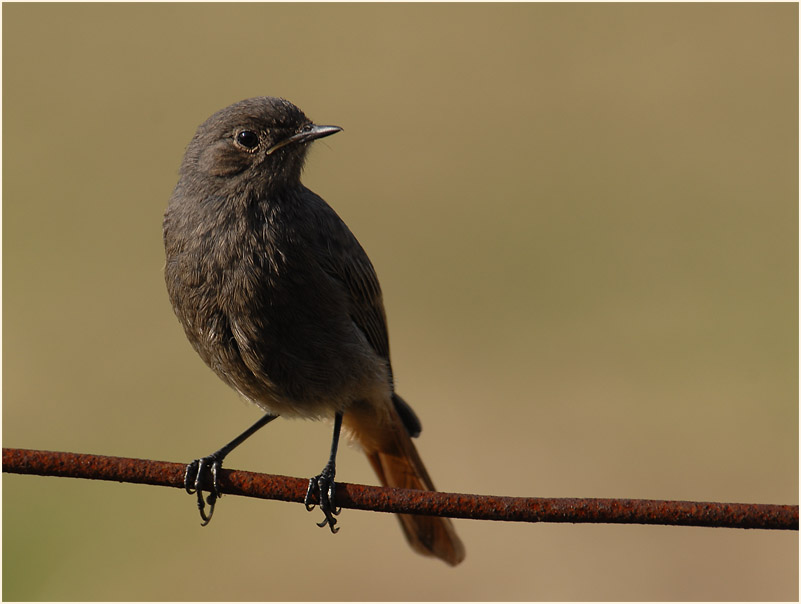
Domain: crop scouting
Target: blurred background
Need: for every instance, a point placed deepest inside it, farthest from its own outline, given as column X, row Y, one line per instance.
column 584, row 218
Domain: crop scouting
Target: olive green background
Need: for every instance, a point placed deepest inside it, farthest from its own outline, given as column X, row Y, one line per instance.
column 584, row 218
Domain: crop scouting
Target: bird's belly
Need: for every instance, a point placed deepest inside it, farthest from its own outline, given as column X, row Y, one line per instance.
column 282, row 357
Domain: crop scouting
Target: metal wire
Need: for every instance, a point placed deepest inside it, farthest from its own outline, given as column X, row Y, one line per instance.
column 404, row 501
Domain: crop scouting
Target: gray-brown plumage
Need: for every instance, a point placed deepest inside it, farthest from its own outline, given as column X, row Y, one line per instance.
column 277, row 296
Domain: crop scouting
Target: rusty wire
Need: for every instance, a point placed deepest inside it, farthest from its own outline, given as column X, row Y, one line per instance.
column 381, row 499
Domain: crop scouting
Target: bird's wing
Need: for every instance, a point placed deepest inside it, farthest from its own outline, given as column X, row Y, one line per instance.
column 347, row 262
column 344, row 259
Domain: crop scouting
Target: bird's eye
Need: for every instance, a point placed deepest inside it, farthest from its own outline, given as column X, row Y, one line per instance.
column 248, row 139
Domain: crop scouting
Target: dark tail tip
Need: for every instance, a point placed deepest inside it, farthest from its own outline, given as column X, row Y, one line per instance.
column 409, row 418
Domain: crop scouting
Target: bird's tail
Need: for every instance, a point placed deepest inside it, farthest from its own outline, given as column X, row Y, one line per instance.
column 395, row 460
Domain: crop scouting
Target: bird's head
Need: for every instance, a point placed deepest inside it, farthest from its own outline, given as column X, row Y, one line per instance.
column 258, row 142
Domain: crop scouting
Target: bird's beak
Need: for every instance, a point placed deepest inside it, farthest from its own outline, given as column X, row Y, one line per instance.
column 306, row 136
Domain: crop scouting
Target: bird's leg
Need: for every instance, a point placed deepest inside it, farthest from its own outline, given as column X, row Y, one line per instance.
column 206, row 470
column 323, row 485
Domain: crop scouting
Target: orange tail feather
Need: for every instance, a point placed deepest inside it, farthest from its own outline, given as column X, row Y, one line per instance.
column 396, row 462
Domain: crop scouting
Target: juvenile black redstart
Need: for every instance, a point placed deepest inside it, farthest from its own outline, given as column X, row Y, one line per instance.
column 277, row 296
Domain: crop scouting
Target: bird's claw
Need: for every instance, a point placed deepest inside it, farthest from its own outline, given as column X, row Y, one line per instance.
column 204, row 471
column 323, row 488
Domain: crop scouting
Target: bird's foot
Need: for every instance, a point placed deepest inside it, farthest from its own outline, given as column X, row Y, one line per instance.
column 323, row 488
column 204, row 472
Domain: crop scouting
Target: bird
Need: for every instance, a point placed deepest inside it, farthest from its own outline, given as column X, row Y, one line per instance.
column 279, row 299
